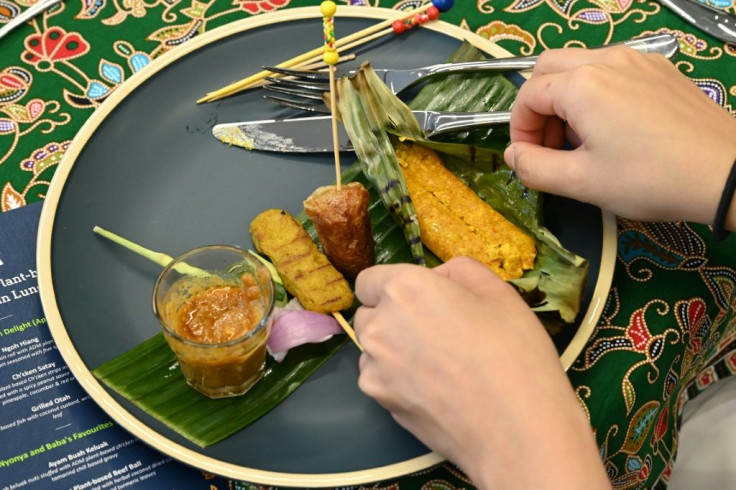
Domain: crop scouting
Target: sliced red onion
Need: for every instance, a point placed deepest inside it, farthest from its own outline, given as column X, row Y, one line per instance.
column 292, row 328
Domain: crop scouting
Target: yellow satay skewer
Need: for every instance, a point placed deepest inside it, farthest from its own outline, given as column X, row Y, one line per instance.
column 361, row 36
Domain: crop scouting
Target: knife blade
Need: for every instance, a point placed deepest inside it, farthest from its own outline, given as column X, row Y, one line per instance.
column 314, row 134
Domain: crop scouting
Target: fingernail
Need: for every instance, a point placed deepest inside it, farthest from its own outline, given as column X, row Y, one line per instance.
column 510, row 156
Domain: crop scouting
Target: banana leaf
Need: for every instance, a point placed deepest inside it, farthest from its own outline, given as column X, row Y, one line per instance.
column 148, row 376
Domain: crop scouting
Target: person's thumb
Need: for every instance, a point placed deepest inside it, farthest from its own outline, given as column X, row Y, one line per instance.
column 544, row 169
column 474, row 276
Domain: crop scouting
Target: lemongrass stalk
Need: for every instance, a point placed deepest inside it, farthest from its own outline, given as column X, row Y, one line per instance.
column 159, row 258
column 274, row 273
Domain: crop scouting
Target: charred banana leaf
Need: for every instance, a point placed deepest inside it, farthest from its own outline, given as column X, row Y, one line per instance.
column 367, row 108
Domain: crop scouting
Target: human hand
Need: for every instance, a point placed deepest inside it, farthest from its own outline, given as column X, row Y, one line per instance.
column 464, row 364
column 650, row 144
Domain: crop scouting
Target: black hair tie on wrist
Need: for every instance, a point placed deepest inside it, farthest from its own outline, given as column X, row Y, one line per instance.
column 719, row 233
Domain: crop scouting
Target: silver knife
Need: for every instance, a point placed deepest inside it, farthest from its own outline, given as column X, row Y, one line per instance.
column 314, row 134
column 717, row 23
column 26, row 15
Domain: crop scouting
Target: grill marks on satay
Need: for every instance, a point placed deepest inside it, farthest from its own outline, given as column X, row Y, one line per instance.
column 343, row 225
column 454, row 221
column 306, row 272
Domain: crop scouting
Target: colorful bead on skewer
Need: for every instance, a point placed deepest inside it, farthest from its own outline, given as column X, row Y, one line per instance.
column 443, row 5
column 403, row 25
column 412, row 18
column 431, row 13
column 330, row 55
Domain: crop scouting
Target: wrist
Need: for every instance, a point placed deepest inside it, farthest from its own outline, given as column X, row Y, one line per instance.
column 725, row 217
column 717, row 153
column 551, row 445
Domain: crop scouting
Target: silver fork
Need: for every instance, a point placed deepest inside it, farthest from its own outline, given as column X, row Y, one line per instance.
column 310, row 85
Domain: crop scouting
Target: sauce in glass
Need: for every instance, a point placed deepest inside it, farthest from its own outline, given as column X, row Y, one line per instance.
column 221, row 313
column 217, row 322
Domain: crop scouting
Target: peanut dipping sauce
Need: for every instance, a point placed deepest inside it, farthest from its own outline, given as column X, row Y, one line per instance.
column 214, row 304
column 221, row 313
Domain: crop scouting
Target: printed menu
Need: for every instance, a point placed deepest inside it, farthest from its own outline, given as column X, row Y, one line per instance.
column 52, row 434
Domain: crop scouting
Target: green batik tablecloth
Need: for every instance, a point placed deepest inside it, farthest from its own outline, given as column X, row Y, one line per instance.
column 668, row 329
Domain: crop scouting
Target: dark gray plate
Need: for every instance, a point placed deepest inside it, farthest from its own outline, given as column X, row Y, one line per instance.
column 146, row 167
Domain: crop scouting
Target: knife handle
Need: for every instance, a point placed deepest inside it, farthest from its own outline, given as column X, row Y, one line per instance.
column 665, row 44
column 717, row 23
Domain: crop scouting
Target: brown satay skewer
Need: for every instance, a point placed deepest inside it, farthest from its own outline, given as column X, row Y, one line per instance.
column 340, row 213
column 343, row 224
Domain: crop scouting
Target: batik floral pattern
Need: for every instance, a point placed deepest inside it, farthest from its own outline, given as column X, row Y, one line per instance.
column 668, row 329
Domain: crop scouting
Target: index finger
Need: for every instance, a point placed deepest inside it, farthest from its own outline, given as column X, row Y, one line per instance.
column 473, row 276
column 539, row 99
column 565, row 59
column 369, row 285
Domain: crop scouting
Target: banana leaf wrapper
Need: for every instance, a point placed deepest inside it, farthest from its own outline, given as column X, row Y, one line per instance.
column 148, row 375
column 366, row 117
column 367, row 108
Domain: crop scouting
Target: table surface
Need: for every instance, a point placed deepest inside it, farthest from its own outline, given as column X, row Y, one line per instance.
column 673, row 295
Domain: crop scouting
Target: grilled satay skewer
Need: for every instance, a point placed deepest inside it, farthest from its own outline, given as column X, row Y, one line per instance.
column 340, row 213
column 306, row 272
column 343, row 225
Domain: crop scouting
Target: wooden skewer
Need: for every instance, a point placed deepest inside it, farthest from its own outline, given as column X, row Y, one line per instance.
column 367, row 39
column 348, row 329
column 313, row 64
column 357, row 36
column 335, row 142
column 331, row 57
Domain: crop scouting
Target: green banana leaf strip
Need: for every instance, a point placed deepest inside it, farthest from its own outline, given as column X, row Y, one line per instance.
column 148, row 376
column 469, row 92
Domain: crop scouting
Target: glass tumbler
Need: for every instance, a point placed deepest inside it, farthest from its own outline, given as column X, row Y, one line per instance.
column 215, row 305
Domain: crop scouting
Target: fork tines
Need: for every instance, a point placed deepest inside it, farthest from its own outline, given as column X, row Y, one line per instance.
column 299, row 84
column 304, row 106
column 306, row 74
column 293, row 91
